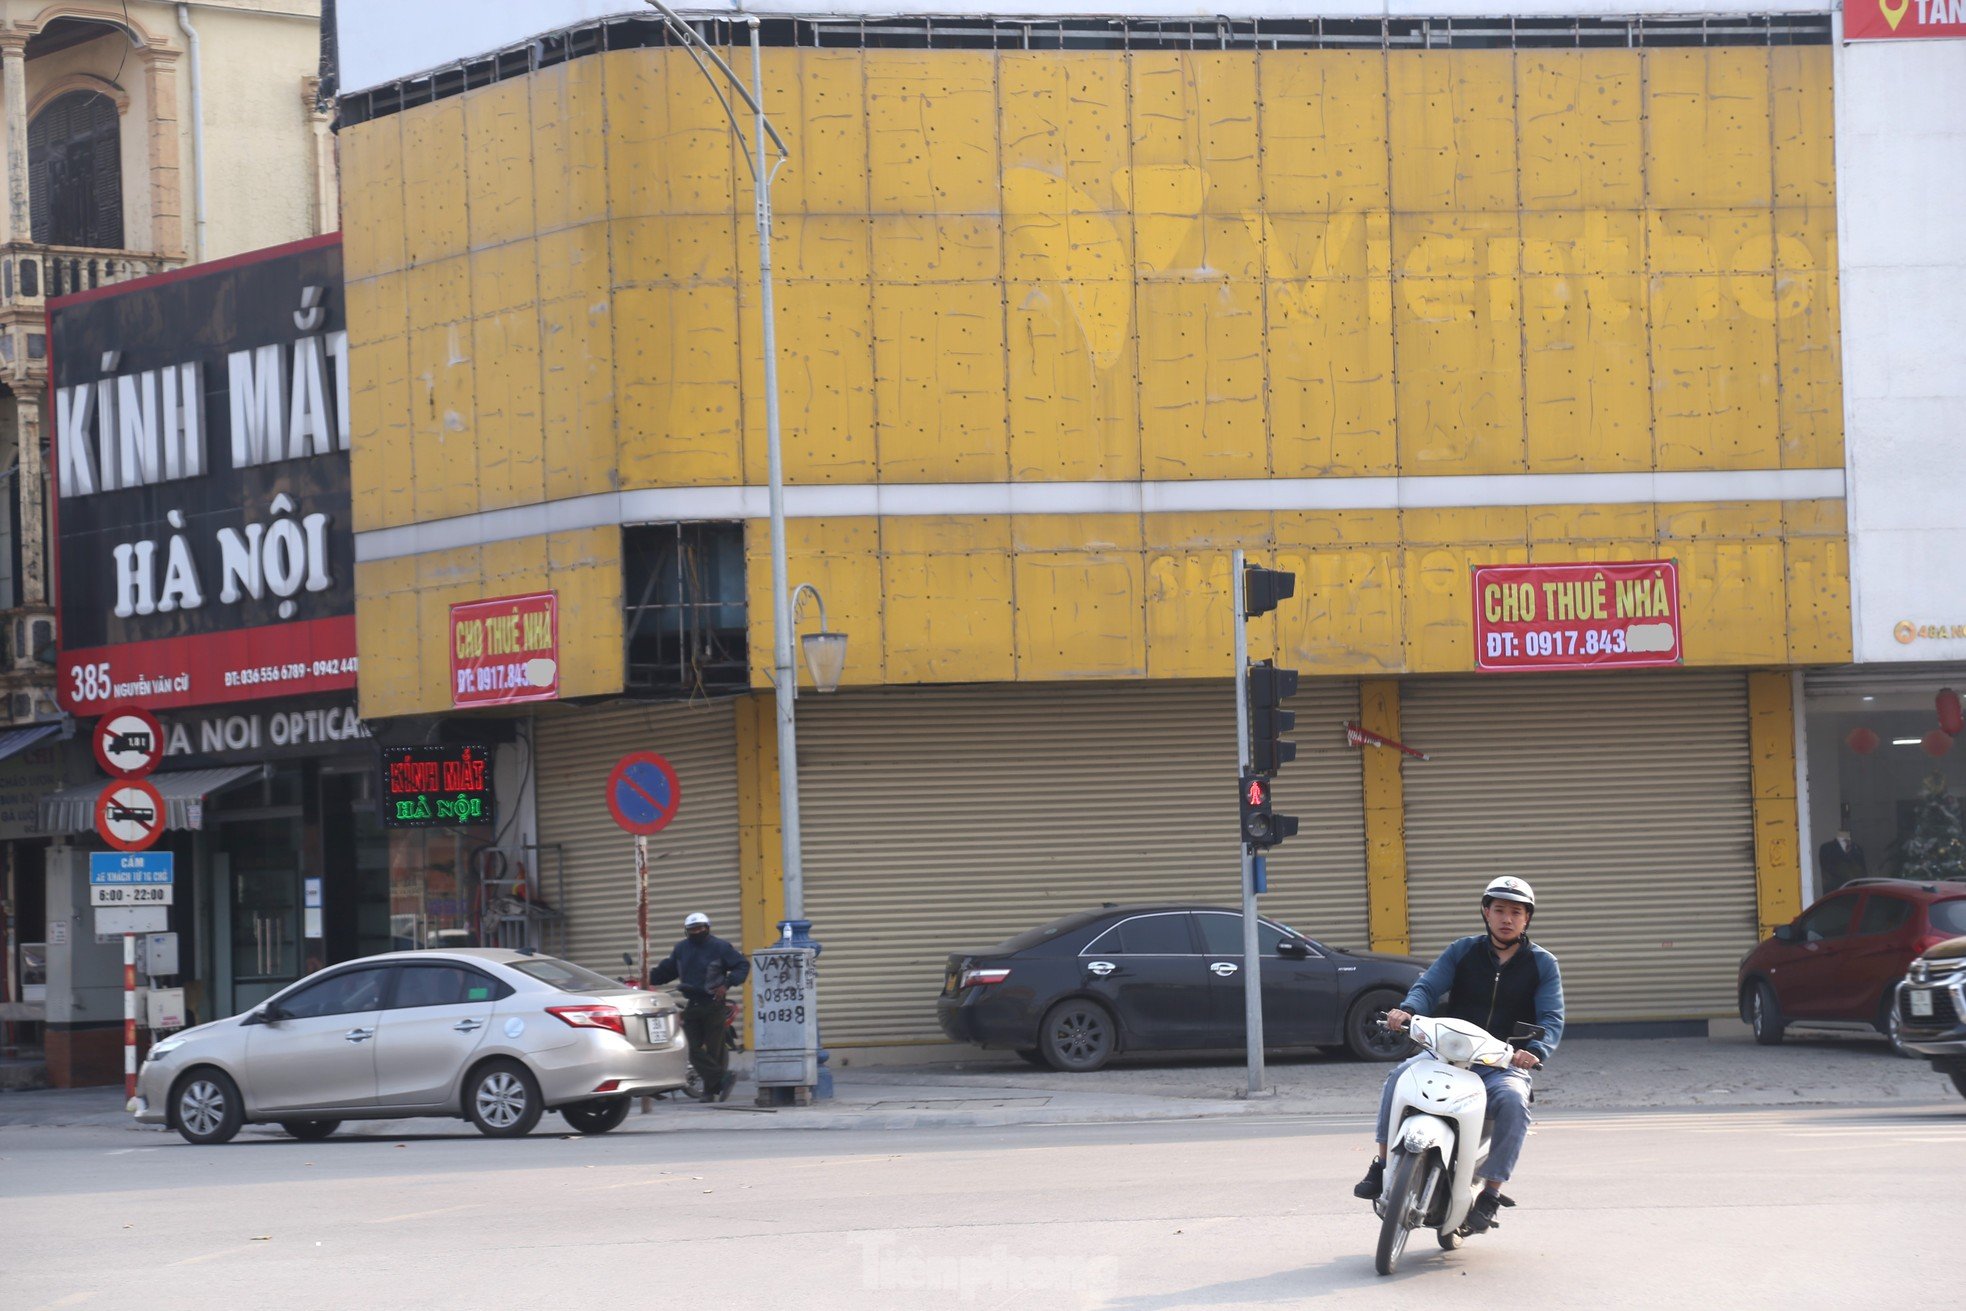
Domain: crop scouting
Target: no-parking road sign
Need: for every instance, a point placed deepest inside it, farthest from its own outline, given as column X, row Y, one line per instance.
column 643, row 793
column 130, row 814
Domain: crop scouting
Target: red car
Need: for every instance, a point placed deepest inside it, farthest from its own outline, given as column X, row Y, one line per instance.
column 1839, row 963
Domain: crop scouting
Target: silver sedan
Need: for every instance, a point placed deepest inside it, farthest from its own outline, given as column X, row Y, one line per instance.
column 494, row 1036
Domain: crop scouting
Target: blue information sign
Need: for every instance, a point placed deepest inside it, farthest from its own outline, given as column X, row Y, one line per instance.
column 130, row 868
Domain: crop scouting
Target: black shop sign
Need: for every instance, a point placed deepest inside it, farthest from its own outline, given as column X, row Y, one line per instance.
column 431, row 787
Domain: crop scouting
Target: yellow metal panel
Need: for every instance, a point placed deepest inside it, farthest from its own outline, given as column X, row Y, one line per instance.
column 1074, row 400
column 1813, row 518
column 950, row 612
column 674, row 249
column 443, row 409
column 1594, row 523
column 1195, row 113
column 569, row 153
column 1708, row 243
column 1587, row 374
column 1384, row 790
column 372, row 191
column 1079, row 615
column 1713, row 380
column 1687, row 520
column 842, row 558
column 939, row 364
column 1733, row 601
column 1324, row 131
column 584, row 568
column 681, row 415
column 1190, row 604
column 443, row 579
column 1568, row 243
column 1583, row 134
column 439, row 292
column 820, row 96
column 511, row 459
column 379, row 429
column 1439, row 613
column 1771, row 767
column 1708, row 137
column 1804, row 112
column 1459, row 384
column 760, row 856
column 387, row 636
column 1077, row 532
column 504, row 278
column 1201, row 380
column 1350, row 615
column 1453, row 132
column 670, row 148
column 1808, row 341
column 1330, row 347
column 815, row 248
column 1474, row 524
column 577, row 359
column 826, row 386
column 434, row 162
column 1335, row 527
column 498, row 164
column 932, row 132
column 1819, row 599
column 1065, row 120
column 379, row 308
column 1350, row 245
column 914, row 248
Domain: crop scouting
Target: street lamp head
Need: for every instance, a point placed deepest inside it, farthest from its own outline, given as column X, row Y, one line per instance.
column 826, row 658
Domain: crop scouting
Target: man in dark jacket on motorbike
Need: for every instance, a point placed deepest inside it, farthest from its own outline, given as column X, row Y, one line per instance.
column 707, row 968
column 1497, row 979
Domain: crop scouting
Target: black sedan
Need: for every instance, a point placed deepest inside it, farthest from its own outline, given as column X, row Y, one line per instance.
column 1075, row 991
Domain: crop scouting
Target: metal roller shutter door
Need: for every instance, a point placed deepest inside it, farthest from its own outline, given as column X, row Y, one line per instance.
column 946, row 820
column 693, row 862
column 1623, row 799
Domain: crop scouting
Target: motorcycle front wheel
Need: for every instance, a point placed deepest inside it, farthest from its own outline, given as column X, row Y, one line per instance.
column 1402, row 1211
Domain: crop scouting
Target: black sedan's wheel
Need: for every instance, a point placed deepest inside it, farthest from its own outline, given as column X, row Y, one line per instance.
column 1364, row 1036
column 206, row 1107
column 310, row 1131
column 1077, row 1036
column 502, row 1099
column 1764, row 1014
column 598, row 1116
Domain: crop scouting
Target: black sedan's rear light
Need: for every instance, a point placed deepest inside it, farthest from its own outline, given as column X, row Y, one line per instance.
column 983, row 978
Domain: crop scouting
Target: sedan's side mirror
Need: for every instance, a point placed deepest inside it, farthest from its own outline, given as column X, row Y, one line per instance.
column 1787, row 933
column 272, row 1014
column 1293, row 949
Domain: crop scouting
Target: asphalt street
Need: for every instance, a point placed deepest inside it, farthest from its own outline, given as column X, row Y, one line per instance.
column 1789, row 1208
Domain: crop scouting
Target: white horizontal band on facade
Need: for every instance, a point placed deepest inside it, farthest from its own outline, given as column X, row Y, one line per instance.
column 1228, row 496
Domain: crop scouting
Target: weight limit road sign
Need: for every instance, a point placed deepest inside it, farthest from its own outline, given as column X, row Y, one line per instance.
column 643, row 793
column 130, row 814
column 129, row 742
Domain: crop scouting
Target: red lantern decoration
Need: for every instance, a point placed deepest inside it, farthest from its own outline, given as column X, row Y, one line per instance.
column 1952, row 718
column 1935, row 743
column 1862, row 741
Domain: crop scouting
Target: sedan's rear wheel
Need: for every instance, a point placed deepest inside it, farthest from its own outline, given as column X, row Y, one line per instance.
column 598, row 1116
column 1077, row 1036
column 502, row 1099
column 310, row 1131
column 1366, row 1038
column 206, row 1107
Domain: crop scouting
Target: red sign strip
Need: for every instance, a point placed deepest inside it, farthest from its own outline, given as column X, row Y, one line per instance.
column 1576, row 616
column 240, row 664
column 1903, row 20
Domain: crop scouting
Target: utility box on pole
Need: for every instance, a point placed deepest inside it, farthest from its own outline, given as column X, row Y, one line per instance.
column 785, row 1019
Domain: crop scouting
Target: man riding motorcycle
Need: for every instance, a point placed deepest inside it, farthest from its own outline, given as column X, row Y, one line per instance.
column 1497, row 980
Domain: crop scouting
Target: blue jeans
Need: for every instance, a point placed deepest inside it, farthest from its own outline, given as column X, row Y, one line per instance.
column 1508, row 1105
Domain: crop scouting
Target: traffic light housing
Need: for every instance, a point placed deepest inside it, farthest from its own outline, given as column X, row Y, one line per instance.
column 1261, row 826
column 1263, row 588
column 1268, row 687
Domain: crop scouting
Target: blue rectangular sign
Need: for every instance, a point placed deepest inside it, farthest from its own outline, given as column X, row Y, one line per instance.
column 127, row 868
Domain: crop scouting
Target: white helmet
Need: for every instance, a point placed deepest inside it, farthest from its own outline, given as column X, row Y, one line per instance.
column 698, row 917
column 1509, row 888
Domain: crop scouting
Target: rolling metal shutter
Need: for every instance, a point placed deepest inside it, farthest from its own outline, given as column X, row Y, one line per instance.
column 949, row 819
column 1624, row 800
column 692, row 863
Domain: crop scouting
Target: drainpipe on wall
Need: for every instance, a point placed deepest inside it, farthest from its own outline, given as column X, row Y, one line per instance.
column 197, row 133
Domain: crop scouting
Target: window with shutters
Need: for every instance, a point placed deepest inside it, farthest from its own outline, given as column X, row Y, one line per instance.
column 75, row 172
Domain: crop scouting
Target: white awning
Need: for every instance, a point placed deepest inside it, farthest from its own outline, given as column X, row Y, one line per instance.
column 73, row 809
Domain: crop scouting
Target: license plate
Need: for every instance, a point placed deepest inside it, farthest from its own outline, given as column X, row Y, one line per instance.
column 949, row 982
column 658, row 1029
column 1921, row 1001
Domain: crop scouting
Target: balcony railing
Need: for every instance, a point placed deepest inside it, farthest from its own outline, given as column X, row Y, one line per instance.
column 31, row 274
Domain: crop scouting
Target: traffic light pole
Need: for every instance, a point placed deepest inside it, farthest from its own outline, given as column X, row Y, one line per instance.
column 1252, row 962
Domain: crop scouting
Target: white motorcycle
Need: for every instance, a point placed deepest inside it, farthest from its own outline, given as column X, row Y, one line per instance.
column 1439, row 1134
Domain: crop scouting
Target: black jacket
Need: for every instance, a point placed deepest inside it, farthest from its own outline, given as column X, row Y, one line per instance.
column 702, row 966
column 1467, row 983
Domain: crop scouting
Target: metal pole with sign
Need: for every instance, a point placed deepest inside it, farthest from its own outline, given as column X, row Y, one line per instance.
column 642, row 905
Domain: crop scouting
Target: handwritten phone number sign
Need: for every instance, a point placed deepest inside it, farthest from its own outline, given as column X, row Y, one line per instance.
column 1576, row 616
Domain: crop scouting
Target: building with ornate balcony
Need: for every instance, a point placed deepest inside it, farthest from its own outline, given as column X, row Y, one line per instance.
column 138, row 137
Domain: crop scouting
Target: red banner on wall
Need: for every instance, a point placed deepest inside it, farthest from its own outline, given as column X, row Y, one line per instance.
column 505, row 650
column 1903, row 20
column 1576, row 616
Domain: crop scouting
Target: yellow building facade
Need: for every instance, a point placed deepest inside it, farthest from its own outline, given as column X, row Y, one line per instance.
column 1059, row 330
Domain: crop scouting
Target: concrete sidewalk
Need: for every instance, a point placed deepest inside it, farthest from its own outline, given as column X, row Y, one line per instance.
column 981, row 1089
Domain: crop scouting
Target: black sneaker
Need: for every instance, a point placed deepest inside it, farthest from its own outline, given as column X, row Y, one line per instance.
column 723, row 1089
column 1481, row 1216
column 1374, row 1182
